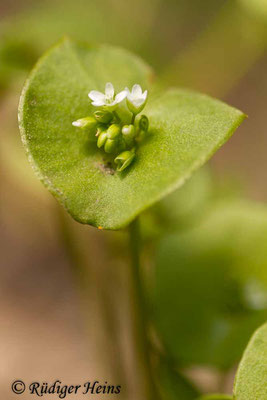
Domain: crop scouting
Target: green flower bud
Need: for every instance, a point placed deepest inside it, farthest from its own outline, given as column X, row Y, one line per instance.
column 121, row 144
column 100, row 128
column 142, row 123
column 124, row 159
column 86, row 123
column 113, row 131
column 128, row 133
column 111, row 145
column 103, row 116
column 102, row 138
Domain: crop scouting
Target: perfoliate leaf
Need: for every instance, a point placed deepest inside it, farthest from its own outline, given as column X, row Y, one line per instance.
column 186, row 128
column 250, row 381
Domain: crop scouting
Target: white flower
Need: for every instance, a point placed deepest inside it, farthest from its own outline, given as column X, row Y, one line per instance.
column 136, row 100
column 108, row 99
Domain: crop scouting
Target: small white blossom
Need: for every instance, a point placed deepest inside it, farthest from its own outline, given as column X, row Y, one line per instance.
column 107, row 99
column 136, row 100
column 77, row 123
column 86, row 122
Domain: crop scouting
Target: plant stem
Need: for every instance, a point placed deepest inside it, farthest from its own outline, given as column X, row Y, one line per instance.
column 140, row 316
column 133, row 119
column 117, row 116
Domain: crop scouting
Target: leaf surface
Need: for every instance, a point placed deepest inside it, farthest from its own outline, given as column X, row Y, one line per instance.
column 250, row 381
column 186, row 129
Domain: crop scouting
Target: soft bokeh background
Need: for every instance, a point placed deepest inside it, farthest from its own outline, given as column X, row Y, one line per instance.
column 65, row 296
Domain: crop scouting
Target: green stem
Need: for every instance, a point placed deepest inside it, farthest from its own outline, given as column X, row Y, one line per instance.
column 116, row 116
column 133, row 119
column 140, row 316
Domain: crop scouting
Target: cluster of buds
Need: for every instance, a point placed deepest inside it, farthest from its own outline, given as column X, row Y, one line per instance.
column 114, row 135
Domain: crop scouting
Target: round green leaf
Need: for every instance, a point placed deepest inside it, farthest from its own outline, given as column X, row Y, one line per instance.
column 186, row 128
column 211, row 285
column 250, row 381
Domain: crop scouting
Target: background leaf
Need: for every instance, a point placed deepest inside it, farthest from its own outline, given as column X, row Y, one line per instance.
column 215, row 397
column 172, row 385
column 186, row 129
column 250, row 381
column 211, row 285
column 259, row 7
column 25, row 35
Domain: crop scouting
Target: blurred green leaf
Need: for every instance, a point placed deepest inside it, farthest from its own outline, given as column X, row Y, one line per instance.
column 250, row 381
column 186, row 206
column 25, row 35
column 172, row 385
column 15, row 56
column 210, row 285
column 257, row 7
column 186, row 129
column 243, row 39
column 215, row 397
column 181, row 209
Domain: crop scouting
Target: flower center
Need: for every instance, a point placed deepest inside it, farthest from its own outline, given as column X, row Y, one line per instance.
column 109, row 99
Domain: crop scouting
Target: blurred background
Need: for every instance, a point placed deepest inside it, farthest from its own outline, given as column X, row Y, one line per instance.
column 65, row 296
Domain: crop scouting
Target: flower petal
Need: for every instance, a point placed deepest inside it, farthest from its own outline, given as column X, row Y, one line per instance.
column 127, row 91
column 109, row 90
column 144, row 95
column 138, row 102
column 99, row 103
column 77, row 123
column 120, row 96
column 95, row 95
column 136, row 90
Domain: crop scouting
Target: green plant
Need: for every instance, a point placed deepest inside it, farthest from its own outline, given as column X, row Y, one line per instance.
column 208, row 277
column 184, row 130
column 250, row 380
column 109, row 125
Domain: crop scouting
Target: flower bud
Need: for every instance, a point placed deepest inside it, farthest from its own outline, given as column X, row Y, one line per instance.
column 121, row 144
column 86, row 123
column 100, row 128
column 142, row 123
column 113, row 131
column 103, row 116
column 102, row 138
column 124, row 159
column 128, row 133
column 111, row 145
